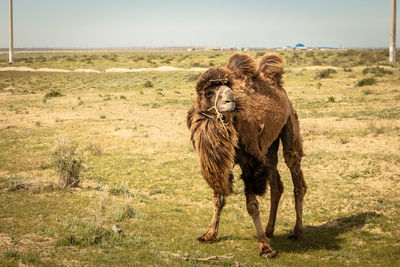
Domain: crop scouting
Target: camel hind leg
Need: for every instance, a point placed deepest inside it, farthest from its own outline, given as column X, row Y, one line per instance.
column 293, row 152
column 276, row 187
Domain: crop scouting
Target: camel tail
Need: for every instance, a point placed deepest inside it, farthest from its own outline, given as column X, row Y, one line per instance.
column 243, row 64
column 272, row 67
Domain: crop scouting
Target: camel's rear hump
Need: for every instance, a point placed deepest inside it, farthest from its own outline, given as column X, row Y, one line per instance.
column 272, row 67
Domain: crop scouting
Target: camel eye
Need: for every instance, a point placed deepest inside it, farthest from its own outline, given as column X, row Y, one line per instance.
column 208, row 94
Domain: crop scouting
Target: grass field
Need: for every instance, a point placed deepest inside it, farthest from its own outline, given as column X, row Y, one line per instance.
column 140, row 171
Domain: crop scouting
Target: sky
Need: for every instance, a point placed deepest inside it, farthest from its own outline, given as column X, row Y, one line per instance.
column 217, row 23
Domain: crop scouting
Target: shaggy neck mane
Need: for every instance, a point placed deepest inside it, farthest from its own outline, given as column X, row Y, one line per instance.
column 216, row 150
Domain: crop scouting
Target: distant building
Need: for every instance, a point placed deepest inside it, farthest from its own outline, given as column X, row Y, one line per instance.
column 300, row 46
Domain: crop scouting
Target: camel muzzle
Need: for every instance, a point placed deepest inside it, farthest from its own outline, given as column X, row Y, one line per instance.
column 227, row 102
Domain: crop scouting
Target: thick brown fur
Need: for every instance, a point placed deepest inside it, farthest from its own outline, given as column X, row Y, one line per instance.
column 271, row 68
column 242, row 64
column 216, row 150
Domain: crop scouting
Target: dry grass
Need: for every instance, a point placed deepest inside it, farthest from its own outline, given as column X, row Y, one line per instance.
column 140, row 170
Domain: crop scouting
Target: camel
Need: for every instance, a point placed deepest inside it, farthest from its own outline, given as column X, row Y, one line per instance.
column 240, row 115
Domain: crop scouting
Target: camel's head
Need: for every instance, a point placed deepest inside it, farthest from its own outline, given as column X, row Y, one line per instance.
column 214, row 93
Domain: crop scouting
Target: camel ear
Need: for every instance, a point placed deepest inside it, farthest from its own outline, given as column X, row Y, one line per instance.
column 243, row 64
column 271, row 67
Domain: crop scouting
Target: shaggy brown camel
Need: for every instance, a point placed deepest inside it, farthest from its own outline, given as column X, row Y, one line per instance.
column 239, row 116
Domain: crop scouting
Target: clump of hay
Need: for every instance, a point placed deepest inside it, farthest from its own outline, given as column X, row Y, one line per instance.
column 67, row 163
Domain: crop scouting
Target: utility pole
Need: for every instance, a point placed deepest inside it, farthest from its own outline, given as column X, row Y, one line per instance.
column 392, row 48
column 10, row 54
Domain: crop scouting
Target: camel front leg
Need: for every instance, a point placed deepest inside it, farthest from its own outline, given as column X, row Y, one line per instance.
column 212, row 231
column 263, row 242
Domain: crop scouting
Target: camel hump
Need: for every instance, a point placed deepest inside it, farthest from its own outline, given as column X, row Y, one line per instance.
column 271, row 67
column 243, row 64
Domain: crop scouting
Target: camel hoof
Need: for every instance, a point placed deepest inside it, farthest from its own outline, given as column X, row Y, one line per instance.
column 205, row 239
column 265, row 251
column 270, row 255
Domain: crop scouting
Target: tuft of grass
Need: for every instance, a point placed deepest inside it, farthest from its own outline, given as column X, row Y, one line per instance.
column 331, row 99
column 67, row 163
column 12, row 254
column 148, row 84
column 123, row 213
column 53, row 93
column 84, row 235
column 94, row 148
column 13, row 183
column 323, row 74
column 366, row 81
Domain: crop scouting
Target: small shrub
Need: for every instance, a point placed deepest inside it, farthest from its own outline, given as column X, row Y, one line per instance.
column 67, row 163
column 53, row 93
column 148, row 84
column 319, row 85
column 124, row 212
column 122, row 97
column 377, row 71
column 80, row 103
column 95, row 149
column 331, row 99
column 38, row 124
column 102, row 116
column 347, row 69
column 366, row 81
column 324, row 74
column 85, row 235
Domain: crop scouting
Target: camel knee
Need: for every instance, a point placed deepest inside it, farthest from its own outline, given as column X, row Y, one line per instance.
column 252, row 206
column 292, row 159
column 300, row 191
column 219, row 201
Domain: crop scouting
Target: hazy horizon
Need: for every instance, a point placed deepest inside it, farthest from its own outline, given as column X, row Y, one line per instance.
column 131, row 24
